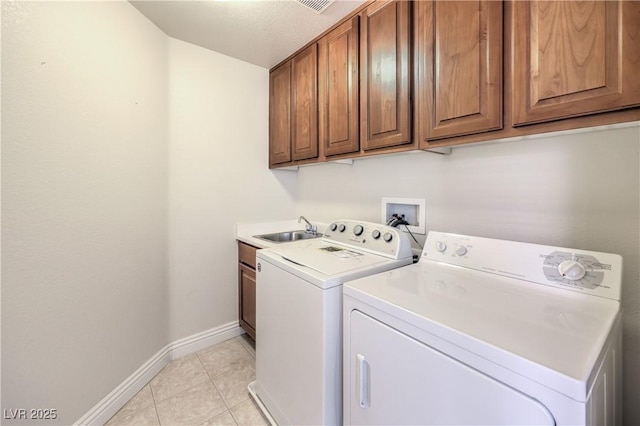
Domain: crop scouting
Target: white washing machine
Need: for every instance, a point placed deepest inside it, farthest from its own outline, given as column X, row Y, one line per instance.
column 486, row 332
column 299, row 317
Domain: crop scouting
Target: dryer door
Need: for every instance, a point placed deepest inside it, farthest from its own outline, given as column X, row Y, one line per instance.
column 392, row 378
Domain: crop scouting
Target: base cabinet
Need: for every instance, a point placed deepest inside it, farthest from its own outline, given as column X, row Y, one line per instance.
column 247, row 288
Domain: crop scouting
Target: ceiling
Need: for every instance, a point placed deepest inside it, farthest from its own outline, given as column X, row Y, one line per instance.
column 261, row 32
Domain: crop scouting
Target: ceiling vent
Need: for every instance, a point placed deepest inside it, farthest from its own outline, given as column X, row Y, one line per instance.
column 316, row 5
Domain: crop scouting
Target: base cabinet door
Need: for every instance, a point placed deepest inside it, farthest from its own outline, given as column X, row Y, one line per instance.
column 458, row 54
column 385, row 103
column 247, row 288
column 573, row 58
column 248, row 300
column 391, row 378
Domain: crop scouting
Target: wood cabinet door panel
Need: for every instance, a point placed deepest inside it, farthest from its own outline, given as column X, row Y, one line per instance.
column 248, row 300
column 280, row 115
column 305, row 104
column 459, row 67
column 574, row 58
column 338, row 89
column 385, row 75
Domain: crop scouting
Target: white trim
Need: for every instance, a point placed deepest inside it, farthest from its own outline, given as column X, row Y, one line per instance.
column 199, row 341
column 117, row 398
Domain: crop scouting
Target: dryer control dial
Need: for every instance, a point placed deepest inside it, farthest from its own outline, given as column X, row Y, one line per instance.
column 358, row 230
column 441, row 247
column 572, row 270
column 461, row 251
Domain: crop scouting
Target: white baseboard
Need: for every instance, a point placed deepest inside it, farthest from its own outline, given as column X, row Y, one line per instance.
column 116, row 399
column 199, row 341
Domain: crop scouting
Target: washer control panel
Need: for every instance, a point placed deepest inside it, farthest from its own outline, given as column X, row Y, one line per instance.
column 371, row 237
column 582, row 271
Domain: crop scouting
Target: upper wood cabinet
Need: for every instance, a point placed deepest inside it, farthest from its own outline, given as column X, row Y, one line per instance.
column 458, row 62
column 385, row 103
column 280, row 114
column 398, row 75
column 293, row 108
column 573, row 58
column 304, row 104
column 338, row 84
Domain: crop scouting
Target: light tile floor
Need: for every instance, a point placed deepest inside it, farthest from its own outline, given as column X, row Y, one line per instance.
column 205, row 388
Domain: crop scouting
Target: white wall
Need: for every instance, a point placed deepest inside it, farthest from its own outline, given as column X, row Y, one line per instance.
column 580, row 191
column 218, row 162
column 84, row 209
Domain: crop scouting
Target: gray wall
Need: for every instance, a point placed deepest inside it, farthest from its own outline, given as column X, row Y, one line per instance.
column 579, row 190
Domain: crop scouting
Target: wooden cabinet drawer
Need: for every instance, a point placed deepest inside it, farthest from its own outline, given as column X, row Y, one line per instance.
column 247, row 254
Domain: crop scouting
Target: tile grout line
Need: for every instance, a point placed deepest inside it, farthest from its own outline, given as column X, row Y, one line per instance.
column 217, row 390
column 153, row 398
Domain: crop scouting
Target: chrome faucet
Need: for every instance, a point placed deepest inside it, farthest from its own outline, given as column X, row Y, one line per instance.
column 309, row 228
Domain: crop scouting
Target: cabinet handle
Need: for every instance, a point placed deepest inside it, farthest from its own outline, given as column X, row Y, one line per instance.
column 363, row 380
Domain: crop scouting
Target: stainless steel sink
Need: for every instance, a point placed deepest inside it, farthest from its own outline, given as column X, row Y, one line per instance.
column 285, row 237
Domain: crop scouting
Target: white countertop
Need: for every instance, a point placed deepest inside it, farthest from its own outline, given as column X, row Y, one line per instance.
column 245, row 231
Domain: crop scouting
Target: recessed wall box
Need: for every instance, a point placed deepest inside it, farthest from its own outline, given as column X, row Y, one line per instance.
column 413, row 209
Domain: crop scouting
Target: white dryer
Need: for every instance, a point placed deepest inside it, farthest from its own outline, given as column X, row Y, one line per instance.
column 299, row 315
column 484, row 331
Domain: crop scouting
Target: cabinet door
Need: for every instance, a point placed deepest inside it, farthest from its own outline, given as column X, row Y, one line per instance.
column 458, row 53
column 338, row 89
column 305, row 104
column 247, row 278
column 280, row 114
column 384, row 75
column 572, row 58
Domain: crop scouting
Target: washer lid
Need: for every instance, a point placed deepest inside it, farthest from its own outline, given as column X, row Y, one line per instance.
column 551, row 336
column 327, row 258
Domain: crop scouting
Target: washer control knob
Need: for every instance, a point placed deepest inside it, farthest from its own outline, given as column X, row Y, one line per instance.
column 461, row 251
column 333, row 227
column 388, row 236
column 341, row 228
column 375, row 234
column 441, row 247
column 358, row 230
column 572, row 270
